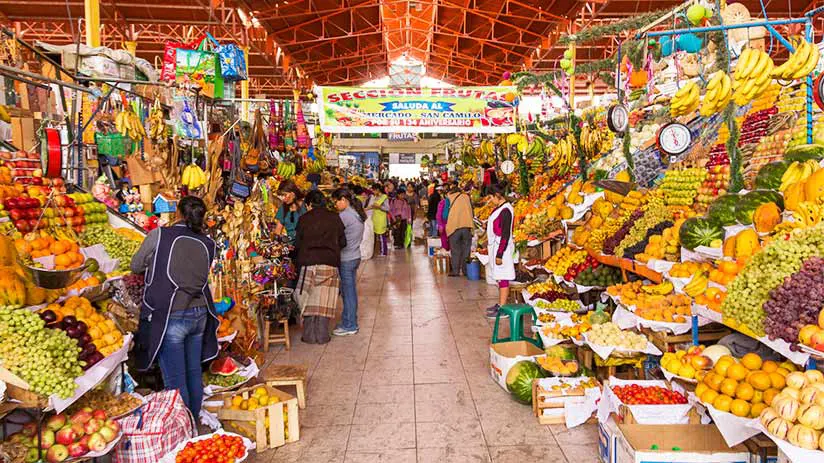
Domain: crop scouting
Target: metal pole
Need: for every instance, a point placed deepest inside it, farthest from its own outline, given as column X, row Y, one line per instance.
column 43, row 78
column 694, row 30
column 808, row 34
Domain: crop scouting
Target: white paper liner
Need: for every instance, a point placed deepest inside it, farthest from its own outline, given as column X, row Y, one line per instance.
column 576, row 411
column 170, row 457
column 706, row 313
column 606, row 351
column 658, row 265
column 783, row 347
column 626, row 319
column 794, row 453
column 247, row 372
column 228, row 338
column 670, row 376
column 701, row 254
column 734, row 429
column 678, row 283
column 580, row 210
column 93, row 376
column 644, row 414
column 482, row 258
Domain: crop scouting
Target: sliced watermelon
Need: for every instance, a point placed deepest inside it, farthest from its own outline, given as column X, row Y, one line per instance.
column 224, row 367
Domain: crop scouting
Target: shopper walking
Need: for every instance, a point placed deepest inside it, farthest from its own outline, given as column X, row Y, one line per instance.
column 500, row 247
column 433, row 202
column 459, row 229
column 353, row 217
column 414, row 202
column 290, row 210
column 379, row 205
column 321, row 237
column 178, row 324
column 400, row 215
column 440, row 217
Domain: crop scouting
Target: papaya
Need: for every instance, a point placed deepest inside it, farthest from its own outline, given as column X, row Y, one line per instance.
column 729, row 247
column 766, row 217
column 814, row 187
column 746, row 243
column 794, row 195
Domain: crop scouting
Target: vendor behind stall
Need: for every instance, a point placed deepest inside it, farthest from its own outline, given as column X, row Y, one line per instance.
column 290, row 210
column 178, row 325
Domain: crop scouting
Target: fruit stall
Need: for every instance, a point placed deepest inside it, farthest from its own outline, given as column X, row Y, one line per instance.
column 687, row 271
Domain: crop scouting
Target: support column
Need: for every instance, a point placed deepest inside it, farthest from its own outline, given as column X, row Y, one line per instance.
column 244, row 88
column 92, row 16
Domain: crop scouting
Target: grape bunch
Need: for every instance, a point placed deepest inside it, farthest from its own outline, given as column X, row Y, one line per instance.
column 796, row 302
column 47, row 359
column 656, row 213
column 133, row 286
column 117, row 246
column 611, row 225
column 613, row 241
column 630, row 251
column 765, row 271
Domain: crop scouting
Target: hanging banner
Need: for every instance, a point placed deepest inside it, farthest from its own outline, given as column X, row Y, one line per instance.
column 417, row 110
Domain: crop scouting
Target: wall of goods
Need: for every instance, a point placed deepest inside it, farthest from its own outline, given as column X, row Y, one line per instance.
column 687, row 209
column 91, row 163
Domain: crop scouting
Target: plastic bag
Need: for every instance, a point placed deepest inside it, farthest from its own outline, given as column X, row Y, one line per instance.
column 232, row 60
column 407, row 239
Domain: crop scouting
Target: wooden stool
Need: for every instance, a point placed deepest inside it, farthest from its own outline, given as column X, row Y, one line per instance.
column 288, row 375
column 275, row 338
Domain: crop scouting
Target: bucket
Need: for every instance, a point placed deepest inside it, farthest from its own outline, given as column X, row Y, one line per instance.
column 473, row 270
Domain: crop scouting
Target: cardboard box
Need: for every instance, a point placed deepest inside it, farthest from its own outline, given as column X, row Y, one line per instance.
column 607, row 440
column 23, row 135
column 688, row 443
column 503, row 355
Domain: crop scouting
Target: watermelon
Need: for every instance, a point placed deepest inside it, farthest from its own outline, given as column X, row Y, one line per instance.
column 802, row 153
column 722, row 210
column 769, row 177
column 519, row 380
column 700, row 232
column 745, row 208
column 223, row 366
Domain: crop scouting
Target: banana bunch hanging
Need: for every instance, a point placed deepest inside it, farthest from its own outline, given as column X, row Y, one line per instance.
column 685, row 100
column 595, row 140
column 129, row 125
column 752, row 75
column 316, row 165
column 485, row 152
column 157, row 125
column 719, row 94
column 286, row 169
column 193, row 177
column 564, row 155
column 800, row 63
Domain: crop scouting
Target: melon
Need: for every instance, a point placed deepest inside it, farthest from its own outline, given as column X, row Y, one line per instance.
column 519, row 380
column 716, row 352
column 224, row 367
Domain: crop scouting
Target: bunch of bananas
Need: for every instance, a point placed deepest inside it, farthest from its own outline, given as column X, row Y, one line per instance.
column 4, row 115
column 286, row 169
column 129, row 125
column 685, row 100
column 753, row 75
column 12, row 290
column 519, row 140
column 697, row 285
column 485, row 152
column 193, row 177
column 798, row 172
column 157, row 125
column 719, row 94
column 800, row 63
column 660, row 289
column 595, row 140
column 564, row 155
column 809, row 214
column 317, row 165
column 534, row 154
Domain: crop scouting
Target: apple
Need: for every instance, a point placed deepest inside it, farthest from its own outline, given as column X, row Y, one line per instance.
column 108, row 434
column 82, row 416
column 92, row 426
column 817, row 341
column 113, row 425
column 821, row 319
column 57, row 454
column 66, row 435
column 32, row 456
column 78, row 449
column 96, row 442
column 29, row 429
column 46, row 439
column 78, row 429
column 56, row 422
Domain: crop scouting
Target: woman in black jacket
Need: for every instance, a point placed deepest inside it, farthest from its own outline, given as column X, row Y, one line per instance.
column 320, row 239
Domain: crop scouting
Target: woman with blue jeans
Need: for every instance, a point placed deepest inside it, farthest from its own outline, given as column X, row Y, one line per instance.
column 178, row 325
column 353, row 216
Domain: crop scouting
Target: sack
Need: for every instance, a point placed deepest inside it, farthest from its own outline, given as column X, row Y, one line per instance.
column 200, row 67
column 167, row 72
column 232, row 60
column 315, row 330
column 155, row 430
column 407, row 240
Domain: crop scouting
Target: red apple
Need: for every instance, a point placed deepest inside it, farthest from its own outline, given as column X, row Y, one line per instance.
column 99, row 415
column 66, row 435
column 113, row 425
column 17, row 214
column 78, row 429
column 108, row 434
column 57, row 454
column 77, row 450
column 46, row 439
column 84, row 440
column 22, row 226
column 56, row 422
column 96, row 442
column 81, row 416
column 92, row 426
column 29, row 429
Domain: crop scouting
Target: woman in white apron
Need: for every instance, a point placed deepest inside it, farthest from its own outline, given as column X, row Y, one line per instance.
column 501, row 247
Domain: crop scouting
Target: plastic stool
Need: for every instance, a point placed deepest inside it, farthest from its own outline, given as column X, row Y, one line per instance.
column 516, row 326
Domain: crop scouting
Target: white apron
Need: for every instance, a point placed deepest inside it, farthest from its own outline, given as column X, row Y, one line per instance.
column 505, row 271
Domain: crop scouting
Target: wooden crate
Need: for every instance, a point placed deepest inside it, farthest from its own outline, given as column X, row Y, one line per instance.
column 540, row 403
column 251, row 423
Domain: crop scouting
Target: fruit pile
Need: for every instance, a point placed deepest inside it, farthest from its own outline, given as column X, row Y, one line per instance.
column 796, row 414
column 66, row 251
column 634, row 394
column 609, row 334
column 219, row 447
column 260, row 398
column 575, row 331
column 116, row 245
column 716, row 182
column 223, row 372
column 812, row 335
column 796, row 303
column 663, row 246
column 97, row 335
column 686, row 363
column 637, row 294
column 547, row 290
column 563, row 260
column 559, row 305
column 744, row 388
column 681, row 186
column 595, row 274
column 93, row 211
column 672, row 308
column 64, row 437
column 45, row 358
column 558, row 367
column 689, row 269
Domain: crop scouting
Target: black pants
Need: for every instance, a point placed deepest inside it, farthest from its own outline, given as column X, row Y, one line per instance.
column 460, row 243
column 399, row 233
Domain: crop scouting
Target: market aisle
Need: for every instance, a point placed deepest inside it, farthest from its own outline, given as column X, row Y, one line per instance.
column 413, row 385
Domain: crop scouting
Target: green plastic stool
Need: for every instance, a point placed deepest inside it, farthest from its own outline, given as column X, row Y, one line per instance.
column 516, row 325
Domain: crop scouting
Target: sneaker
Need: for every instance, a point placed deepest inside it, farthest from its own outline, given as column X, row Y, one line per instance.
column 344, row 332
column 492, row 312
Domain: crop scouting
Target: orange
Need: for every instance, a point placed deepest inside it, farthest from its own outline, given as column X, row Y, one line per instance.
column 62, row 260
column 722, row 402
column 709, row 396
column 782, row 371
column 777, row 381
column 38, row 244
column 700, row 389
column 714, row 381
column 752, row 361
column 757, row 397
column 721, row 367
column 769, row 366
column 744, row 392
column 737, row 372
column 760, row 380
column 756, row 409
column 739, row 407
column 728, row 387
column 58, row 247
column 23, row 246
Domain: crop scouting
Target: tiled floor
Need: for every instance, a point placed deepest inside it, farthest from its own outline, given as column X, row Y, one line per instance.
column 413, row 385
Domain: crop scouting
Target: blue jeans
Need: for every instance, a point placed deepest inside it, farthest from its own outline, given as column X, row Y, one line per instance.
column 433, row 228
column 179, row 356
column 348, row 275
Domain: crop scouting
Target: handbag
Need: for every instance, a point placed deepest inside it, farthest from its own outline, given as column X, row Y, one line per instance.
column 232, row 60
column 201, row 67
column 302, row 294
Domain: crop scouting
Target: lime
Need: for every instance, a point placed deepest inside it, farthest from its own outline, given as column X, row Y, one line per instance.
column 92, row 265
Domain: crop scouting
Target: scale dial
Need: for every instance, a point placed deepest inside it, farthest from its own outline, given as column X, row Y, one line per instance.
column 674, row 139
column 618, row 118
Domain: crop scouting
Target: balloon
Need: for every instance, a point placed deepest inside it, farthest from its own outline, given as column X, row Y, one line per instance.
column 666, row 46
column 506, row 75
column 509, row 96
column 506, row 82
column 695, row 14
column 565, row 63
column 690, row 43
